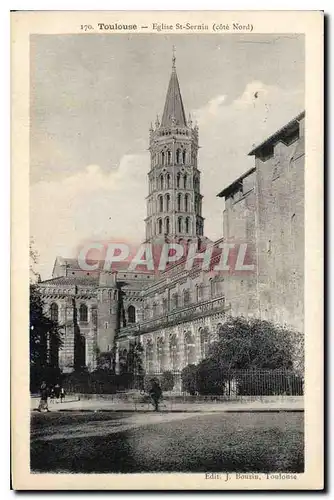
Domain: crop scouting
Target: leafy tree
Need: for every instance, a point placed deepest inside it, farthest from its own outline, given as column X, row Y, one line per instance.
column 33, row 255
column 189, row 379
column 210, row 377
column 167, row 381
column 45, row 340
column 135, row 358
column 254, row 344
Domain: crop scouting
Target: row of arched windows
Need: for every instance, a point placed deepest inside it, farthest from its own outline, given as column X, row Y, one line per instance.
column 183, row 225
column 83, row 312
column 183, row 202
column 165, row 157
column 172, row 349
column 184, row 298
column 182, row 181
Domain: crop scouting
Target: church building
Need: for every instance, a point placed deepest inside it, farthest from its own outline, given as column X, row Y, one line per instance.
column 175, row 313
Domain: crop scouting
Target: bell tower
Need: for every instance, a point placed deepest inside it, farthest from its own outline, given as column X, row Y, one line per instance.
column 174, row 202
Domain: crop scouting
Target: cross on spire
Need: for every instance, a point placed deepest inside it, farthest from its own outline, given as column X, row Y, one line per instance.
column 173, row 58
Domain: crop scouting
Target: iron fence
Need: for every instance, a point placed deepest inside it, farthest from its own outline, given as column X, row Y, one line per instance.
column 223, row 385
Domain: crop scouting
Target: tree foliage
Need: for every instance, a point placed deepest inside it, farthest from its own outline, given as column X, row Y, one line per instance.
column 248, row 354
column 167, row 381
column 209, row 378
column 45, row 339
column 189, row 379
column 254, row 344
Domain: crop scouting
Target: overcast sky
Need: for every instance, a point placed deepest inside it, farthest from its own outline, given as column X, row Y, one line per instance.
column 93, row 98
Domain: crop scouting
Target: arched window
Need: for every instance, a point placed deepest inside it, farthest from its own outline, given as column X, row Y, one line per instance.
column 204, row 340
column 179, row 224
column 183, row 157
column 173, row 352
column 164, row 305
column 186, row 296
column 161, row 355
column 54, row 312
column 185, row 181
column 190, row 348
column 131, row 314
column 187, row 225
column 167, row 181
column 167, row 199
column 178, row 179
column 196, row 183
column 179, row 202
column 175, row 300
column 149, row 356
column 159, row 226
column 169, row 157
column 83, row 313
column 186, row 203
column 178, row 156
column 161, row 204
column 167, row 226
column 200, row 292
column 163, row 158
column 161, row 181
column 123, row 361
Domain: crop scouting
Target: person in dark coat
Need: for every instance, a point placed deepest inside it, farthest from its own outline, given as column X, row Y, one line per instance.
column 57, row 391
column 155, row 394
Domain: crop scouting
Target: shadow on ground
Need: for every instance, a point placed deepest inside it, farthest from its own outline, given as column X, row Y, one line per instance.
column 240, row 442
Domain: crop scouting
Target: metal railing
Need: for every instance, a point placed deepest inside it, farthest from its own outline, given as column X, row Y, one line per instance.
column 225, row 385
column 177, row 316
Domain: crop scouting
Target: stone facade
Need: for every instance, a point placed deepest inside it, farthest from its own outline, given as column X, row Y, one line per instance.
column 265, row 207
column 177, row 313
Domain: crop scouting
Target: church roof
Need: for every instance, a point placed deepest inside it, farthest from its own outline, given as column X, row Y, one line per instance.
column 72, row 280
column 173, row 111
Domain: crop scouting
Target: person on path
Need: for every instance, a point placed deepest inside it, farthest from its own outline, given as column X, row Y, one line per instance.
column 62, row 394
column 57, row 391
column 155, row 394
column 43, row 404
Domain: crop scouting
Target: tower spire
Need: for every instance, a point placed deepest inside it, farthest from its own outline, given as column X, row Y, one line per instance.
column 173, row 113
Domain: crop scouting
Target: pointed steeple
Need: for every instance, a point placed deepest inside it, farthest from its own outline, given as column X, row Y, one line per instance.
column 173, row 111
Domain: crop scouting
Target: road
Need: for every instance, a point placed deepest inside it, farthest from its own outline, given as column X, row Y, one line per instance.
column 102, row 442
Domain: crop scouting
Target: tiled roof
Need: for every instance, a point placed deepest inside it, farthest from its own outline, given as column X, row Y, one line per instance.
column 72, row 280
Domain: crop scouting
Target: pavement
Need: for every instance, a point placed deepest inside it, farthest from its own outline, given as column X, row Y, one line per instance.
column 168, row 405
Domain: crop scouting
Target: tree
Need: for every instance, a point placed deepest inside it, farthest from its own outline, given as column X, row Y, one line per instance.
column 167, row 381
column 210, row 378
column 135, row 358
column 254, row 344
column 45, row 341
column 189, row 379
column 33, row 255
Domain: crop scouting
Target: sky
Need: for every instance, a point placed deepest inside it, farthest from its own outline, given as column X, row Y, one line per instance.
column 93, row 98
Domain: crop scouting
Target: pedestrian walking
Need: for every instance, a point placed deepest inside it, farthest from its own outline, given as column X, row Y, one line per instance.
column 52, row 395
column 43, row 404
column 57, row 391
column 62, row 394
column 155, row 394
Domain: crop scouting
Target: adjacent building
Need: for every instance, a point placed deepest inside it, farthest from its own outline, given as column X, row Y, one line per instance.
column 265, row 207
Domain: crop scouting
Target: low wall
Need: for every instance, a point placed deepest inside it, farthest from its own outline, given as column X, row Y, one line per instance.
column 191, row 399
